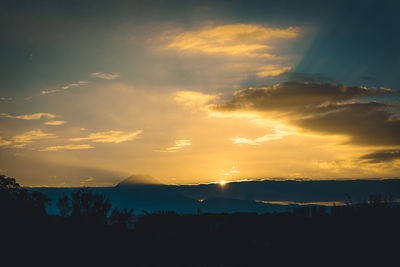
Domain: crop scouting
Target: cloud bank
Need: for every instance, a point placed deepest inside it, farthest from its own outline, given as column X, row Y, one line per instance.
column 323, row 108
column 382, row 156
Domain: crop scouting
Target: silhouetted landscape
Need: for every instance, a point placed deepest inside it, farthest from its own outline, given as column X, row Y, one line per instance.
column 246, row 196
column 89, row 231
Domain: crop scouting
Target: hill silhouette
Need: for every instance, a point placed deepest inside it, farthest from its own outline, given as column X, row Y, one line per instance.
column 138, row 179
column 144, row 193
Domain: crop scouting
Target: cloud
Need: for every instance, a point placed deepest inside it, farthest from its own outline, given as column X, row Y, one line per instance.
column 67, row 147
column 279, row 134
column 382, row 156
column 225, row 55
column 324, row 108
column 31, row 136
column 365, row 123
column 272, row 71
column 66, row 87
column 34, row 116
column 54, row 122
column 233, row 170
column 179, row 144
column 106, row 76
column 115, row 137
column 45, row 92
column 88, row 180
column 4, row 142
column 193, row 99
column 233, row 39
column 295, row 97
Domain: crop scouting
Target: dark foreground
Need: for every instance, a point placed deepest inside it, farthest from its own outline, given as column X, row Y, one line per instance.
column 89, row 234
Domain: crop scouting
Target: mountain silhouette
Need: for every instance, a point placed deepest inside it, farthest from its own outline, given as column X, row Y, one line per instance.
column 138, row 179
column 145, row 193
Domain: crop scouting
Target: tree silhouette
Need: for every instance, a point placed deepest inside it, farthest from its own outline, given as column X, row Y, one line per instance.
column 121, row 218
column 64, row 205
column 92, row 207
column 7, row 183
column 18, row 201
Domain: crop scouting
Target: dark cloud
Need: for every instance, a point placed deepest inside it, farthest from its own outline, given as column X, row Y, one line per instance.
column 366, row 123
column 382, row 156
column 325, row 108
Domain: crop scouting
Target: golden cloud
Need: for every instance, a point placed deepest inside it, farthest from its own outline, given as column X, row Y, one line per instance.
column 67, row 147
column 193, row 99
column 31, row 136
column 234, row 50
column 115, row 137
column 272, row 70
column 179, row 144
column 278, row 134
column 54, row 123
column 35, row 116
column 4, row 142
column 233, row 39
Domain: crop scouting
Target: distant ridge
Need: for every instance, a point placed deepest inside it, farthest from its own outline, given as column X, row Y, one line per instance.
column 139, row 179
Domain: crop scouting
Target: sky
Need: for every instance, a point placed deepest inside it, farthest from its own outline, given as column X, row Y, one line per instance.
column 198, row 91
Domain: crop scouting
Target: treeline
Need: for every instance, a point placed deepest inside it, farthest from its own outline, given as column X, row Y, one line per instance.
column 90, row 232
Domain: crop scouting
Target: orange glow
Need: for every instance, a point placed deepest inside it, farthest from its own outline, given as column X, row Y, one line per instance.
column 222, row 183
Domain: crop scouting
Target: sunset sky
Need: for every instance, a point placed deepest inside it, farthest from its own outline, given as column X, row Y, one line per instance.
column 198, row 91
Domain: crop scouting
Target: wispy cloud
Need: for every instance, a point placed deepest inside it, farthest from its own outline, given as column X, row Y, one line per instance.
column 272, row 70
column 279, row 134
column 106, row 76
column 233, row 170
column 4, row 142
column 233, row 39
column 67, row 147
column 87, row 180
column 179, row 144
column 228, row 54
column 34, row 116
column 54, row 123
column 31, row 136
column 66, row 87
column 115, row 137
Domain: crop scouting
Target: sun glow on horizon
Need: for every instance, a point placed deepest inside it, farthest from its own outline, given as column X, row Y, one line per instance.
column 222, row 183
